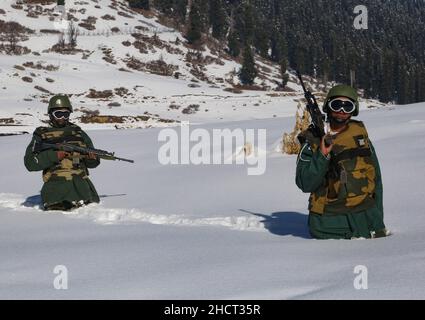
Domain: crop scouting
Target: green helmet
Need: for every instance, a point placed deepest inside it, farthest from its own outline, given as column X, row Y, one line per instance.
column 59, row 101
column 342, row 91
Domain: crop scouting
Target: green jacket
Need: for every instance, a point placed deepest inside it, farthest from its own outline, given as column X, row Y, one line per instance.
column 311, row 172
column 67, row 187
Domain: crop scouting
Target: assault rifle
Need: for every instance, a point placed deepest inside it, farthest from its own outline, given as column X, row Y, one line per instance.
column 317, row 117
column 68, row 147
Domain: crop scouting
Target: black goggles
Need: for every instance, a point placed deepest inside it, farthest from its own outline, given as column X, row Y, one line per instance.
column 61, row 114
column 338, row 105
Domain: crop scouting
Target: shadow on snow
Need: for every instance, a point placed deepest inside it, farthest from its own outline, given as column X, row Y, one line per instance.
column 285, row 223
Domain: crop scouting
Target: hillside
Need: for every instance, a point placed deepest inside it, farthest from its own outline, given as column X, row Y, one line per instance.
column 131, row 72
column 127, row 70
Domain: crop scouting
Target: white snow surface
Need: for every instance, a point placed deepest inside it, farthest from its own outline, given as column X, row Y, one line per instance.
column 211, row 231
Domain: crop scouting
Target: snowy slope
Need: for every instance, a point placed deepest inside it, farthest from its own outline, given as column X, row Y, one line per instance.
column 78, row 73
column 160, row 97
column 211, row 231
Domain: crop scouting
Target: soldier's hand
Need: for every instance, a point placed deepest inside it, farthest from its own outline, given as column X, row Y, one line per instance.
column 326, row 149
column 62, row 155
column 92, row 156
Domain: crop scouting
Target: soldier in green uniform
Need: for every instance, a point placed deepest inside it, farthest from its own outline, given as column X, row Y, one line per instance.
column 344, row 178
column 66, row 182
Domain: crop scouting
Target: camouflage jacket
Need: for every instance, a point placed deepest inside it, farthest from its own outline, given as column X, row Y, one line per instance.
column 348, row 180
column 65, row 180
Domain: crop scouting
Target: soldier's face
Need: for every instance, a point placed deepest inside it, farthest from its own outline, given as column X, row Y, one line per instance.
column 60, row 116
column 341, row 116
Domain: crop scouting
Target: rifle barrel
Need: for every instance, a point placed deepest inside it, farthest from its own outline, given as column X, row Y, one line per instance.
column 301, row 81
column 127, row 160
column 71, row 147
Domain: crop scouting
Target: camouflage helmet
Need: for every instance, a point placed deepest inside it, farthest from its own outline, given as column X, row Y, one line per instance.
column 342, row 91
column 59, row 101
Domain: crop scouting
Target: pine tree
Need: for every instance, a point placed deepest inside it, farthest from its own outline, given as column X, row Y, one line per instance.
column 248, row 23
column 140, row 4
column 204, row 13
column 261, row 40
column 244, row 22
column 283, row 68
column 179, row 9
column 218, row 19
column 195, row 26
column 248, row 72
column 164, row 6
column 325, row 70
column 233, row 44
column 410, row 86
column 300, row 59
column 386, row 86
column 279, row 49
column 352, row 60
column 403, row 85
column 420, row 78
column 315, row 43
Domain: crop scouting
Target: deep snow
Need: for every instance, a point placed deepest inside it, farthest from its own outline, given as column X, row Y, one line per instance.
column 211, row 231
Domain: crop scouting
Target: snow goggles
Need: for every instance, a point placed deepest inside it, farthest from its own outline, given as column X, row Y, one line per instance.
column 338, row 105
column 61, row 114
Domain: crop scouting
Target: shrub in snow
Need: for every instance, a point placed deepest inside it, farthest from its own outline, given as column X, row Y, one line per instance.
column 191, row 109
column 290, row 144
column 27, row 79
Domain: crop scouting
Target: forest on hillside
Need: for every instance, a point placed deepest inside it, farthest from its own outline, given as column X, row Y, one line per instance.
column 387, row 59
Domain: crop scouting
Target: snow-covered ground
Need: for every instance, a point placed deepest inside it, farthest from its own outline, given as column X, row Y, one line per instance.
column 211, row 231
column 186, row 231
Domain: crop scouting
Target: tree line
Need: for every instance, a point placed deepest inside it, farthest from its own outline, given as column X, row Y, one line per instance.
column 318, row 37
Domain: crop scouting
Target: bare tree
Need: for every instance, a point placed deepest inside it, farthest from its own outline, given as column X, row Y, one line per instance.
column 73, row 33
column 61, row 41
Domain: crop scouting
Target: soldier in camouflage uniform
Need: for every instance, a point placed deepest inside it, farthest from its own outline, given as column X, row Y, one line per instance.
column 343, row 179
column 65, row 175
